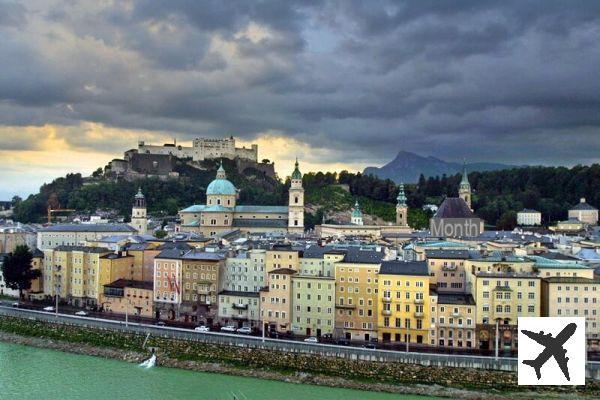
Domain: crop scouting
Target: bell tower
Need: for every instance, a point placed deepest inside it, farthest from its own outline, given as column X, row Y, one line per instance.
column 296, row 202
column 464, row 190
column 139, row 217
column 401, row 208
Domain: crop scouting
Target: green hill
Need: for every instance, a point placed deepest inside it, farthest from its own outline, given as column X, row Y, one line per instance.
column 496, row 194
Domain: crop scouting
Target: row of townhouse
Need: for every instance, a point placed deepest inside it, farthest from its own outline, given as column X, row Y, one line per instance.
column 455, row 297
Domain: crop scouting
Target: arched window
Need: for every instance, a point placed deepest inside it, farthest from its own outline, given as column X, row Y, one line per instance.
column 296, row 199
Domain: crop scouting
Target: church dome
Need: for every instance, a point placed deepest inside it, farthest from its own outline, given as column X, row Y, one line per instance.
column 221, row 185
column 356, row 213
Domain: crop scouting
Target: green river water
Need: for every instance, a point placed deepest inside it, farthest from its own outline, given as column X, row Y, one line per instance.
column 39, row 374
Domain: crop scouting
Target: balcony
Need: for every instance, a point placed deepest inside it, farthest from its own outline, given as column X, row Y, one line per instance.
column 386, row 313
column 386, row 299
column 419, row 301
column 238, row 306
column 456, row 314
column 346, row 306
column 418, row 314
column 240, row 317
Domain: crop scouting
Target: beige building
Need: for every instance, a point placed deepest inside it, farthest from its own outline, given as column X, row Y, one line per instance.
column 453, row 322
column 356, row 288
column 574, row 297
column 501, row 297
column 130, row 297
column 275, row 300
column 447, row 269
column 584, row 212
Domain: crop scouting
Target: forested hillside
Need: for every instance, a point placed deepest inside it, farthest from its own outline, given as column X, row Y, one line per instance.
column 497, row 195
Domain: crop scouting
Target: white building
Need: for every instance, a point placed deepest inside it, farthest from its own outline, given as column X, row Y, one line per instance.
column 78, row 234
column 529, row 217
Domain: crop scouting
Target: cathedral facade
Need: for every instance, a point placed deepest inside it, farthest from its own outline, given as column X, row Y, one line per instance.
column 221, row 213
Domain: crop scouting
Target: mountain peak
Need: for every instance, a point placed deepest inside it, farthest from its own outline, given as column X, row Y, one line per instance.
column 407, row 167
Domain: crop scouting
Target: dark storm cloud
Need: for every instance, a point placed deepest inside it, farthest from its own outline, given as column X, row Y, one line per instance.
column 498, row 81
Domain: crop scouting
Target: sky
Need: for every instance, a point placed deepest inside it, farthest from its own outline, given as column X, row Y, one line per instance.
column 339, row 84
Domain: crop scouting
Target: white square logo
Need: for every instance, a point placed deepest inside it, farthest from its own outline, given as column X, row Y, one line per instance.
column 551, row 351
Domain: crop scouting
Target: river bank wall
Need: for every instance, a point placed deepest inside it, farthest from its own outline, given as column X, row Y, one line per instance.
column 298, row 368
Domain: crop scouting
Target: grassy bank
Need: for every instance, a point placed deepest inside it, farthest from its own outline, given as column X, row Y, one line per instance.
column 287, row 366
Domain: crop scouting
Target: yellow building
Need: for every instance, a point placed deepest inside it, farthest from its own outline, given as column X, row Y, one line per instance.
column 283, row 256
column 356, row 279
column 114, row 266
column 73, row 272
column 404, row 312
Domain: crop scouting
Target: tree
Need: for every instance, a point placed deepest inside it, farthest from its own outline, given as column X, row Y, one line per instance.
column 160, row 234
column 98, row 173
column 17, row 271
column 507, row 221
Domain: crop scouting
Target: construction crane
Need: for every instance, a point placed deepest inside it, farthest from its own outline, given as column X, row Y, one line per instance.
column 57, row 210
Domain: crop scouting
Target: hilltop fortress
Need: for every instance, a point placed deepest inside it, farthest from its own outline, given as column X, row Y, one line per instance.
column 159, row 161
column 202, row 149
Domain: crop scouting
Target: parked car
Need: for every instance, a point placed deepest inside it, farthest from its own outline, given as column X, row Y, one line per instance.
column 274, row 334
column 49, row 308
column 343, row 342
column 160, row 323
column 311, row 339
column 202, row 329
column 246, row 330
column 15, row 304
column 370, row 346
column 228, row 328
column 81, row 313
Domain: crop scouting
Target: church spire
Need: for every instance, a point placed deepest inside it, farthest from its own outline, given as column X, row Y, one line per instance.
column 465, row 176
column 221, row 174
column 464, row 189
column 401, row 196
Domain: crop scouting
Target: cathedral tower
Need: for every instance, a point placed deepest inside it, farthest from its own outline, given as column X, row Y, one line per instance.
column 401, row 208
column 464, row 190
column 296, row 202
column 139, row 218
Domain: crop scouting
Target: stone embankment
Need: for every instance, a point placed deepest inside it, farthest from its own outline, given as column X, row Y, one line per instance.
column 275, row 365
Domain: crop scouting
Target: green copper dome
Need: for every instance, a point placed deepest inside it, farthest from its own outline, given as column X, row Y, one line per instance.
column 356, row 213
column 296, row 174
column 221, row 186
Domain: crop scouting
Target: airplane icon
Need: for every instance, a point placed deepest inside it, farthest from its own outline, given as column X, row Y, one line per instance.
column 553, row 348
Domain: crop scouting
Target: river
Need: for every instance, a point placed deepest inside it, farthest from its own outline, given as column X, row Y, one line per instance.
column 36, row 374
